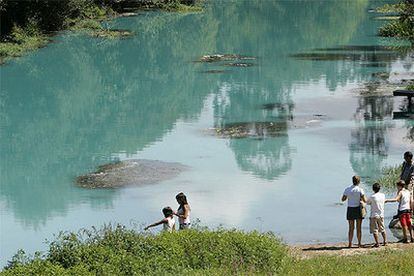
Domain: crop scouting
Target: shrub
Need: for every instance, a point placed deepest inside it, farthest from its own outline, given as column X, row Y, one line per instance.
column 115, row 250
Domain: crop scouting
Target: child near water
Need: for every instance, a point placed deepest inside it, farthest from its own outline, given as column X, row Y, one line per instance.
column 376, row 219
column 405, row 207
column 168, row 222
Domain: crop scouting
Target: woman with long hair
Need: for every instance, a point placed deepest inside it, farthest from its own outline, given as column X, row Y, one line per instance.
column 183, row 212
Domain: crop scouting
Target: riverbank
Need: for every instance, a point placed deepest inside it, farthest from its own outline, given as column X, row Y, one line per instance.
column 29, row 27
column 114, row 250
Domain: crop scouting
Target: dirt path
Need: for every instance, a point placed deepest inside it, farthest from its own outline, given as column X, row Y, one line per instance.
column 340, row 249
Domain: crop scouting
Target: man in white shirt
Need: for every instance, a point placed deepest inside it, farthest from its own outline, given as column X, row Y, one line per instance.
column 376, row 219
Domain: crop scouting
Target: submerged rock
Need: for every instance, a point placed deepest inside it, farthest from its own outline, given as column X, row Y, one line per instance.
column 224, row 57
column 252, row 129
column 394, row 224
column 130, row 172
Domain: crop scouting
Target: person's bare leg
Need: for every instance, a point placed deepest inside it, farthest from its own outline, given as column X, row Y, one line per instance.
column 384, row 238
column 405, row 234
column 351, row 225
column 376, row 239
column 410, row 230
column 359, row 231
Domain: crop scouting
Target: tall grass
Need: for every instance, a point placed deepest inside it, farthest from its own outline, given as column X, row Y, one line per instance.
column 390, row 176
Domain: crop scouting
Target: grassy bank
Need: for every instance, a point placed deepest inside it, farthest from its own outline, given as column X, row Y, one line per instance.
column 26, row 26
column 118, row 251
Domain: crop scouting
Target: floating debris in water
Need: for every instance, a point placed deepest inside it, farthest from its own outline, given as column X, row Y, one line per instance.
column 224, row 57
column 239, row 64
column 252, row 129
column 130, row 172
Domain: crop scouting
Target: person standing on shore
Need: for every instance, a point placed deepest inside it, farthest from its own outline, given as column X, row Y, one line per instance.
column 183, row 212
column 376, row 219
column 405, row 208
column 355, row 195
column 407, row 172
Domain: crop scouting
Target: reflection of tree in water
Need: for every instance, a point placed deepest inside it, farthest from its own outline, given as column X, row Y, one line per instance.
column 369, row 145
column 245, row 103
column 100, row 98
column 267, row 158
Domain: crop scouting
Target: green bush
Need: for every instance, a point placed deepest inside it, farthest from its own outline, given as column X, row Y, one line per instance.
column 119, row 251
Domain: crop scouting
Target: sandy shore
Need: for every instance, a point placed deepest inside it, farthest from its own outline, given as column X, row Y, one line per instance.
column 341, row 249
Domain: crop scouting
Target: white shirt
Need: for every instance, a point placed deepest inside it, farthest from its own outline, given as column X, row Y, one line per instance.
column 169, row 225
column 405, row 200
column 354, row 193
column 181, row 220
column 377, row 202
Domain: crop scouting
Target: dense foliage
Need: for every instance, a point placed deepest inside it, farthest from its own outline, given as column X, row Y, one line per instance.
column 403, row 27
column 118, row 251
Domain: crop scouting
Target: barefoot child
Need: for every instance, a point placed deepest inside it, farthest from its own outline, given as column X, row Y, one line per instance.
column 404, row 209
column 376, row 219
column 168, row 222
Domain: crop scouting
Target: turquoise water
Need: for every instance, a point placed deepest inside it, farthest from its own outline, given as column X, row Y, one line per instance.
column 82, row 102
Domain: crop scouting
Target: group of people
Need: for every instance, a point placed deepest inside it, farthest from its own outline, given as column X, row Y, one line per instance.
column 182, row 213
column 357, row 199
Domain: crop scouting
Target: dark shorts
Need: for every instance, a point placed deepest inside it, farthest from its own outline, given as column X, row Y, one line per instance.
column 353, row 213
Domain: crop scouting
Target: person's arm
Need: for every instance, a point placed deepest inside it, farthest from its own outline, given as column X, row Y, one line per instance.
column 156, row 224
column 344, row 197
column 398, row 198
column 363, row 198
